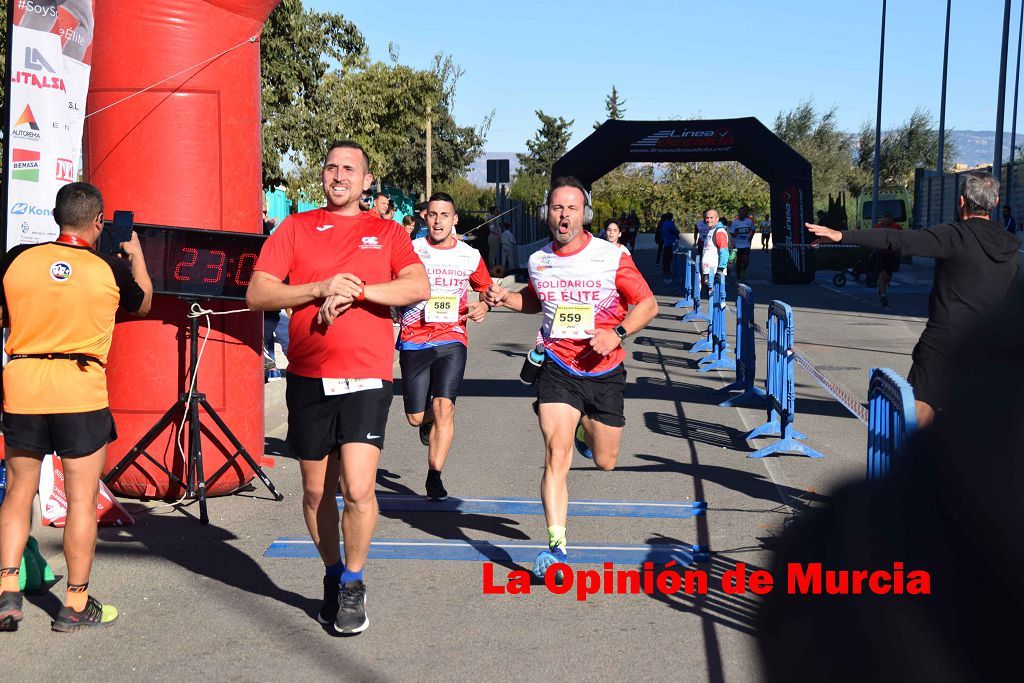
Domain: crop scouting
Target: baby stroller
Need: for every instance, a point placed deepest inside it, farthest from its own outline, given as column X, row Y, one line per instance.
column 866, row 265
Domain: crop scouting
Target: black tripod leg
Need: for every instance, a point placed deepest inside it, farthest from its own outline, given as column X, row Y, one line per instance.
column 195, row 447
column 241, row 449
column 137, row 450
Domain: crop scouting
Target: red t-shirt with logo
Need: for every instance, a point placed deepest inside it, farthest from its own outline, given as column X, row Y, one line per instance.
column 317, row 245
column 451, row 271
column 599, row 274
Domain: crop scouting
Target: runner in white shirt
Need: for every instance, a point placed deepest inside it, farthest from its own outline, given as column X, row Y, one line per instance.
column 584, row 286
column 715, row 253
column 742, row 232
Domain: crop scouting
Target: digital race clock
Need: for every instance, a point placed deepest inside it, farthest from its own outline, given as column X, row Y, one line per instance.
column 201, row 264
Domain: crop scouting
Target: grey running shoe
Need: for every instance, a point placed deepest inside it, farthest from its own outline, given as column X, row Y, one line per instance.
column 352, row 617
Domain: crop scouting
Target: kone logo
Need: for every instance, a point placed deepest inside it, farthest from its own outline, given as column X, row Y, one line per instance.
column 23, row 209
column 60, row 271
column 26, row 128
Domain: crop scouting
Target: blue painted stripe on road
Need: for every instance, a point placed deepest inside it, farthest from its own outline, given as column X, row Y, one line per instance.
column 533, row 506
column 494, row 551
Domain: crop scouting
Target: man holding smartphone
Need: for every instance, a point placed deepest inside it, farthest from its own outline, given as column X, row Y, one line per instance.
column 59, row 300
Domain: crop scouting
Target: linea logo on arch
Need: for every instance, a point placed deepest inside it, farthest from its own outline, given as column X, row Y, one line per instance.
column 686, row 138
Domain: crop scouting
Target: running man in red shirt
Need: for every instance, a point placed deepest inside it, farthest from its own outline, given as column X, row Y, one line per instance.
column 432, row 343
column 584, row 287
column 345, row 267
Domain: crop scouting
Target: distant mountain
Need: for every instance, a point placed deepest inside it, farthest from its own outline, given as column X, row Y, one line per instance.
column 478, row 171
column 975, row 147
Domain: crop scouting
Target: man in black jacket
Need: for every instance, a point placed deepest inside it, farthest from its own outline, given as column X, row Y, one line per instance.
column 976, row 264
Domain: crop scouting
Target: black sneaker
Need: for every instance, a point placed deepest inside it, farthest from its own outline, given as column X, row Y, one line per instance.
column 352, row 617
column 10, row 610
column 884, row 300
column 329, row 610
column 435, row 489
column 425, row 433
column 94, row 614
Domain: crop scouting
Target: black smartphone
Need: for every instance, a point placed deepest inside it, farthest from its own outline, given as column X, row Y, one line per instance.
column 123, row 223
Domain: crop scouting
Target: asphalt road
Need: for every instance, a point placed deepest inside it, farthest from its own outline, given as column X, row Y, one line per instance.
column 204, row 602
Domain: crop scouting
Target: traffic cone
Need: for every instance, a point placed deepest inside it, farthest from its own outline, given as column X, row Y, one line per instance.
column 35, row 574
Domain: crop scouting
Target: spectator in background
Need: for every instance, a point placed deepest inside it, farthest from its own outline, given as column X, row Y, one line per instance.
column 365, row 200
column 669, row 237
column 409, row 224
column 629, row 230
column 382, row 205
column 659, row 239
column 269, row 223
column 887, row 261
column 273, row 329
column 421, row 221
column 508, row 247
column 766, row 233
column 493, row 238
column 1008, row 222
column 613, row 233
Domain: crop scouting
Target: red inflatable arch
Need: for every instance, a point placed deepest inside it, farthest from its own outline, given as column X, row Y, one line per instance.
column 187, row 153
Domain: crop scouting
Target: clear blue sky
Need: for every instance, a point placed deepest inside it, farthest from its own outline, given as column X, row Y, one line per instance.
column 686, row 59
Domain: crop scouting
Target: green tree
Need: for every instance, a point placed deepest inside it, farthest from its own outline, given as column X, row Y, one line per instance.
column 529, row 187
column 547, row 146
column 615, row 107
column 912, row 144
column 818, row 138
column 297, row 50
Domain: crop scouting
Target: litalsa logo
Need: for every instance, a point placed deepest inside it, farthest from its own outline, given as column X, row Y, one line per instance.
column 369, row 243
column 35, row 62
column 60, row 271
column 23, row 209
column 26, row 128
column 683, row 139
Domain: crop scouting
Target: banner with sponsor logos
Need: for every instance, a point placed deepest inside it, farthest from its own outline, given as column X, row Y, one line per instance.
column 48, row 61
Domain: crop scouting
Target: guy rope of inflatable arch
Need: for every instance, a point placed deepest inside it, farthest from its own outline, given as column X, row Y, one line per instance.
column 247, row 41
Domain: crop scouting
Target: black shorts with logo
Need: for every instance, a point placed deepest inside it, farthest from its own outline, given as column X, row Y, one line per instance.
column 600, row 397
column 68, row 435
column 434, row 372
column 318, row 424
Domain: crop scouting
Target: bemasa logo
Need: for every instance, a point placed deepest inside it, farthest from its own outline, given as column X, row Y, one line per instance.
column 26, row 128
column 60, row 271
column 35, row 62
column 23, row 209
column 25, row 165
column 66, row 170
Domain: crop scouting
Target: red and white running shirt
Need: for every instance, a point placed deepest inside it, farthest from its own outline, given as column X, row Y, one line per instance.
column 596, row 283
column 317, row 245
column 451, row 271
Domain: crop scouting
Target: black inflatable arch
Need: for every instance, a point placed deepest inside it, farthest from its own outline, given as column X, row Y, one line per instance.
column 745, row 140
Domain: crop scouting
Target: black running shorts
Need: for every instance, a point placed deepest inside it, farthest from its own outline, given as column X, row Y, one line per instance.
column 600, row 398
column 67, row 434
column 435, row 372
column 318, row 424
column 930, row 377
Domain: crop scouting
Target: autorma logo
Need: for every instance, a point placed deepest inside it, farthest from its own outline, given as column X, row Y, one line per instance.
column 25, row 165
column 686, row 138
column 26, row 128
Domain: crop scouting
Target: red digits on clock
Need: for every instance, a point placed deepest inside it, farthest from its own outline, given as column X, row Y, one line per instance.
column 185, row 263
column 246, row 265
column 218, row 267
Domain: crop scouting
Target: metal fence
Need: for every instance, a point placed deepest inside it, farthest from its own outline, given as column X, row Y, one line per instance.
column 935, row 196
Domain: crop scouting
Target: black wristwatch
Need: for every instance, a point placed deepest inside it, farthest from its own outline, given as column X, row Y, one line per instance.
column 621, row 331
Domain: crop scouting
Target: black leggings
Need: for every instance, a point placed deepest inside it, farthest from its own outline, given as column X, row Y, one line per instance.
column 434, row 372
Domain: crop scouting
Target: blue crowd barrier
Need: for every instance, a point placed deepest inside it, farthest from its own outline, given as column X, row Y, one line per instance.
column 682, row 277
column 719, row 358
column 746, row 355
column 696, row 315
column 892, row 418
column 781, row 390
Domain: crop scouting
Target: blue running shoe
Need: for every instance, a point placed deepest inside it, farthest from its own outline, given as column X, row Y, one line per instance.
column 581, row 443
column 545, row 559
